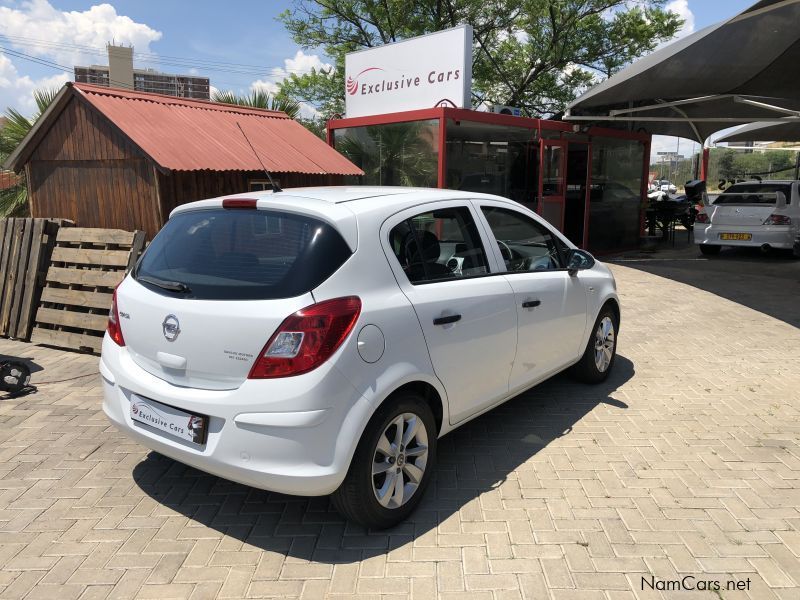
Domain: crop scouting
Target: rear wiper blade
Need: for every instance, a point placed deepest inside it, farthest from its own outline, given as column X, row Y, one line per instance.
column 172, row 286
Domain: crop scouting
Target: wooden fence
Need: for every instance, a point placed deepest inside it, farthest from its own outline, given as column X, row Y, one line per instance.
column 85, row 267
column 25, row 246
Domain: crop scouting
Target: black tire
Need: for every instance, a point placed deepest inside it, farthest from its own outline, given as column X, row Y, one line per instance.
column 356, row 498
column 709, row 249
column 586, row 369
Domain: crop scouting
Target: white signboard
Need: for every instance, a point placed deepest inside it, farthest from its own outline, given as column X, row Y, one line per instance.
column 416, row 73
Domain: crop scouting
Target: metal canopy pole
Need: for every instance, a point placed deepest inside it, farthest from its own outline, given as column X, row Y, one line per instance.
column 797, row 165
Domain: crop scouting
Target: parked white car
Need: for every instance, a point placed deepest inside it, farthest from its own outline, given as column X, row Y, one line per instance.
column 763, row 214
column 319, row 341
column 668, row 187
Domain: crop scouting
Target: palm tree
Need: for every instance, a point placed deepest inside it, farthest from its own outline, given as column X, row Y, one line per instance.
column 259, row 99
column 14, row 199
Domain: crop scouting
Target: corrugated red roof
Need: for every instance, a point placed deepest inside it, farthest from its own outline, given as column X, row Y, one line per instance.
column 190, row 135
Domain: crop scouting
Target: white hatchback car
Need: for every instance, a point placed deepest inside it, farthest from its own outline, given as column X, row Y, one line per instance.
column 319, row 341
column 668, row 186
column 754, row 213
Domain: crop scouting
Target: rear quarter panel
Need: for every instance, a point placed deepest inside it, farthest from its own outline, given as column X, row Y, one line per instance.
column 405, row 356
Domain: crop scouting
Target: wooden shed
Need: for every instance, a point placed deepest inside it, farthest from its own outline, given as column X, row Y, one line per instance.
column 113, row 158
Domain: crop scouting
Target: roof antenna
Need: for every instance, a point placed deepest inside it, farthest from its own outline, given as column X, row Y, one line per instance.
column 275, row 187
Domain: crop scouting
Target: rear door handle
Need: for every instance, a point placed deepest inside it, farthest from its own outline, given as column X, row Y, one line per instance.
column 531, row 303
column 446, row 320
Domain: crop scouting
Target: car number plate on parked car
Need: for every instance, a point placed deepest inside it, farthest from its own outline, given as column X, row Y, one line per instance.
column 744, row 237
column 181, row 424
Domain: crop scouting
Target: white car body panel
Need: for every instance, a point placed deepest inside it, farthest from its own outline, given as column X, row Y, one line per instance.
column 220, row 337
column 560, row 317
column 749, row 219
column 297, row 435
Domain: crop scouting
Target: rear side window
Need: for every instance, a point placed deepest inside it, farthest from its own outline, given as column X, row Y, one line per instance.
column 224, row 254
column 755, row 193
column 439, row 245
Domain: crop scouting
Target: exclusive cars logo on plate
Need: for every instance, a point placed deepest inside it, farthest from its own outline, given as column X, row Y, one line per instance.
column 171, row 328
column 169, row 419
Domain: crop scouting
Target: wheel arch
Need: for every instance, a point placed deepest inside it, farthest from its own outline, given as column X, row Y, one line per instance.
column 613, row 304
column 425, row 390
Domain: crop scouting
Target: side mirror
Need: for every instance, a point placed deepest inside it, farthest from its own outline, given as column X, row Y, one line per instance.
column 780, row 203
column 578, row 260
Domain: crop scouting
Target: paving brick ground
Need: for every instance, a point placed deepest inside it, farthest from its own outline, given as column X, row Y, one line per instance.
column 687, row 462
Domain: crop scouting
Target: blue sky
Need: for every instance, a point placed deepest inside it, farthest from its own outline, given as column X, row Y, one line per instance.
column 243, row 33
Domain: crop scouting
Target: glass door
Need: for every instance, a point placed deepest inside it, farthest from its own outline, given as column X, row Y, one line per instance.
column 552, row 188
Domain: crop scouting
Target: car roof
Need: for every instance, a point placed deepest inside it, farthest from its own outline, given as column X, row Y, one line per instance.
column 358, row 198
column 340, row 205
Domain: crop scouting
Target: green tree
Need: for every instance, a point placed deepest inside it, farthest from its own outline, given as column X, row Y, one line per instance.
column 536, row 54
column 259, row 99
column 14, row 200
column 727, row 168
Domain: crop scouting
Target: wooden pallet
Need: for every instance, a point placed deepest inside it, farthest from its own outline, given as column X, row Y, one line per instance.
column 25, row 246
column 85, row 267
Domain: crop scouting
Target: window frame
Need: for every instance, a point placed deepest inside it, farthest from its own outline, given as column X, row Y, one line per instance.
column 391, row 222
column 562, row 243
column 261, row 185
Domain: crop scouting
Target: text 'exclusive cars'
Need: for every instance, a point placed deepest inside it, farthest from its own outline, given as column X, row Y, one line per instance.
column 319, row 341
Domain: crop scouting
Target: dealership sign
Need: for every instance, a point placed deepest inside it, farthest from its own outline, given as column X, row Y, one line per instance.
column 420, row 72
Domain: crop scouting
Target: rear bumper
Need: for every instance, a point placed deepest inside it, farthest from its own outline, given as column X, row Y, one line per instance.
column 295, row 438
column 777, row 236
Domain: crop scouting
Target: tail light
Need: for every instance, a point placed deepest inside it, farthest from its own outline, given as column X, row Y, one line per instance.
column 778, row 220
column 701, row 218
column 307, row 338
column 113, row 328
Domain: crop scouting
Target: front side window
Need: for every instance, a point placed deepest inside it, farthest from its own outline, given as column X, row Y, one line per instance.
column 525, row 244
column 439, row 245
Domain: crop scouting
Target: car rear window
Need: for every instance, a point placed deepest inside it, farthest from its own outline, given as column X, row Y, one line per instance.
column 241, row 254
column 754, row 193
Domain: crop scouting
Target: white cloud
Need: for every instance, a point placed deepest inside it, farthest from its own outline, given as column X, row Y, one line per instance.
column 270, row 87
column 299, row 64
column 60, row 32
column 68, row 38
column 17, row 90
column 681, row 8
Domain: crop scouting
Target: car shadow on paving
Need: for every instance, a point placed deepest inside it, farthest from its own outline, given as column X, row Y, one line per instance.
column 476, row 458
column 767, row 283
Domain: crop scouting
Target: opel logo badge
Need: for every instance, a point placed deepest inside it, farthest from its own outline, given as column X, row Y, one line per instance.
column 171, row 327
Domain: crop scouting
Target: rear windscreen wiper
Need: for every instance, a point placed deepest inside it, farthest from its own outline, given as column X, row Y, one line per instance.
column 172, row 286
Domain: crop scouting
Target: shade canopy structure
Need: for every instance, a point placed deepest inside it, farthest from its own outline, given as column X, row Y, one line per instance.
column 738, row 71
column 777, row 131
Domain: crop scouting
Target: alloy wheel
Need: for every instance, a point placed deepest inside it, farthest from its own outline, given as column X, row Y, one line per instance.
column 399, row 460
column 604, row 340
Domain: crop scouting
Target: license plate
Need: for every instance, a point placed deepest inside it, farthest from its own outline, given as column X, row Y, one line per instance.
column 743, row 237
column 176, row 422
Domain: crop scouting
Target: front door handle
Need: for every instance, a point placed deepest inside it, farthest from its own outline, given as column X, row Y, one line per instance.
column 446, row 320
column 531, row 303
